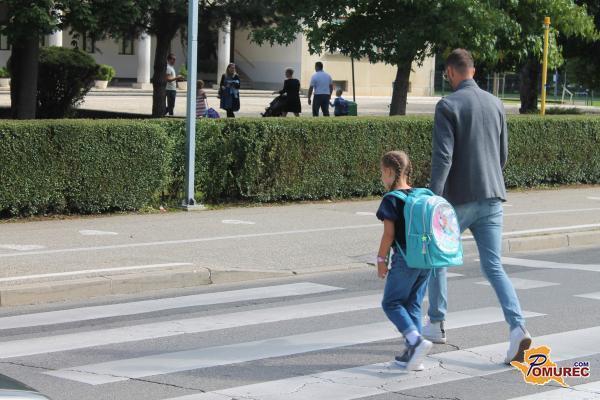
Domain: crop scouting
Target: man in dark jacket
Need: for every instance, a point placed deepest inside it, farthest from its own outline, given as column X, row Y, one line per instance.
column 470, row 149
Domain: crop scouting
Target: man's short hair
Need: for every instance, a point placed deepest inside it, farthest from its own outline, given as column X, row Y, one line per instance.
column 289, row 71
column 461, row 60
column 339, row 92
column 319, row 65
column 171, row 56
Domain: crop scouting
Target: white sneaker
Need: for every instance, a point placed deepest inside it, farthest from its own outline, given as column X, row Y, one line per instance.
column 413, row 356
column 434, row 332
column 520, row 340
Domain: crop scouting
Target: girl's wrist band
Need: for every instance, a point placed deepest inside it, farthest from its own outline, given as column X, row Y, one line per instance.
column 381, row 259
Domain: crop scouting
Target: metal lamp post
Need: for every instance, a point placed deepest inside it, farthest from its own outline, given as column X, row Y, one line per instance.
column 189, row 203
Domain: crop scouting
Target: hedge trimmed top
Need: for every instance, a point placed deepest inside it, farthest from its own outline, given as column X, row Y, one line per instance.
column 95, row 166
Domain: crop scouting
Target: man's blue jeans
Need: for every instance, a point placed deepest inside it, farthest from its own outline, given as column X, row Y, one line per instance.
column 403, row 295
column 484, row 219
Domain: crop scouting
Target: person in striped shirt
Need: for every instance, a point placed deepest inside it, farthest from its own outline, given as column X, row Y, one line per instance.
column 200, row 99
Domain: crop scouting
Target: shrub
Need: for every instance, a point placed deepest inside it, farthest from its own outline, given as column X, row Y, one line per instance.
column 80, row 166
column 65, row 77
column 304, row 159
column 94, row 166
column 105, row 73
column 4, row 73
column 183, row 72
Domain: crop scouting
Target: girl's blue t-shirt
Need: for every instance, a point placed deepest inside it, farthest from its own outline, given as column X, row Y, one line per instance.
column 392, row 209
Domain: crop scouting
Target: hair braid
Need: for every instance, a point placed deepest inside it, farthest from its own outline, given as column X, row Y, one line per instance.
column 400, row 163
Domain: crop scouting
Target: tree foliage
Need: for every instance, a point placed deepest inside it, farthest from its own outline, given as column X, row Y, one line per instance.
column 396, row 32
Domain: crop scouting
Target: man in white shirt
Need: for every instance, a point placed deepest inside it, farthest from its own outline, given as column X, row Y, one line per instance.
column 172, row 79
column 322, row 86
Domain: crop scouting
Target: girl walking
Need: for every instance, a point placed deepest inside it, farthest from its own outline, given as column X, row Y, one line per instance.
column 405, row 287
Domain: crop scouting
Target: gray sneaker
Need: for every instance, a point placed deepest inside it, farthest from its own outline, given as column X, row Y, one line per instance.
column 412, row 358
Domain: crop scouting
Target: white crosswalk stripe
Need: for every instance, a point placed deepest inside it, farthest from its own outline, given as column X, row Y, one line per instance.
column 587, row 391
column 115, row 371
column 593, row 296
column 522, row 262
column 376, row 379
column 147, row 306
column 133, row 357
column 51, row 344
column 524, row 284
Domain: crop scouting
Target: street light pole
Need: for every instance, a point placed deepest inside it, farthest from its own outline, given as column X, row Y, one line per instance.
column 189, row 202
column 545, row 64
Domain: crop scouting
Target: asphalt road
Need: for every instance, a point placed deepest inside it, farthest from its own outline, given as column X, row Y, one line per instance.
column 297, row 237
column 311, row 337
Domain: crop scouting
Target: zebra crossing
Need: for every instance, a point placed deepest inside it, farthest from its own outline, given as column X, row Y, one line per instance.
column 280, row 322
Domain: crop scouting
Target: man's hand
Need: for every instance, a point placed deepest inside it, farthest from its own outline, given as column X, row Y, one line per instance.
column 309, row 101
column 382, row 269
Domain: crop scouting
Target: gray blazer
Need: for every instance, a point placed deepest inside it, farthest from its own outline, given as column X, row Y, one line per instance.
column 470, row 146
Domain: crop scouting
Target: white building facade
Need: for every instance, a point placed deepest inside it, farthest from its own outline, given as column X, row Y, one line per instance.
column 260, row 67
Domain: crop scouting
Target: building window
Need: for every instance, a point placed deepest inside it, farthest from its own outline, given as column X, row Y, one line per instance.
column 340, row 85
column 4, row 45
column 88, row 43
column 126, row 47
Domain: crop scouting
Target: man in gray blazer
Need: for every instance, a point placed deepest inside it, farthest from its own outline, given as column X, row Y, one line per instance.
column 470, row 149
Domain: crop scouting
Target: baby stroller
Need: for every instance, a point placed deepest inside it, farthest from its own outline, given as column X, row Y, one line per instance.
column 276, row 107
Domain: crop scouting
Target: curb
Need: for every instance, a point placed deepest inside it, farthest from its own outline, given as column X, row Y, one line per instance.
column 187, row 277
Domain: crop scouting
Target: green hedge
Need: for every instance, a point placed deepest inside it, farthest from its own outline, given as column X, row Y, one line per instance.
column 94, row 166
column 303, row 159
column 80, row 166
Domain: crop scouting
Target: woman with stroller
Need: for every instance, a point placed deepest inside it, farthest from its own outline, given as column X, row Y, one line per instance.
column 291, row 90
column 229, row 91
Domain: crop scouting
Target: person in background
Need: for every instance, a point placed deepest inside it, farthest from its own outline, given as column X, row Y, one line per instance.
column 322, row 86
column 291, row 89
column 201, row 99
column 172, row 79
column 340, row 105
column 229, row 91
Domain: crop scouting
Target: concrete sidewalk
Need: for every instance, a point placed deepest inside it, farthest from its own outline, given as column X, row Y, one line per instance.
column 98, row 256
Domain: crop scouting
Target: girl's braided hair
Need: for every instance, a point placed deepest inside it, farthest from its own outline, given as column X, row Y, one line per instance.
column 400, row 163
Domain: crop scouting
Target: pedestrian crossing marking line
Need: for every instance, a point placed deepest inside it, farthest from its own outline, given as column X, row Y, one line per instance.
column 100, row 337
column 522, row 262
column 593, row 296
column 593, row 198
column 586, row 391
column 165, row 363
column 147, row 306
column 383, row 378
column 524, row 284
column 453, row 275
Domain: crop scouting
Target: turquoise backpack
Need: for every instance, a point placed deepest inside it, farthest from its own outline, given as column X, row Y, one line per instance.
column 432, row 231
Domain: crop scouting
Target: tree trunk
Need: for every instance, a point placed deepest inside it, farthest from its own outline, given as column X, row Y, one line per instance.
column 24, row 77
column 168, row 25
column 401, row 86
column 528, row 90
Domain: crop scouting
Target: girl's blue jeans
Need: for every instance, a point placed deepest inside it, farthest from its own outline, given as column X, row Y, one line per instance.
column 403, row 295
